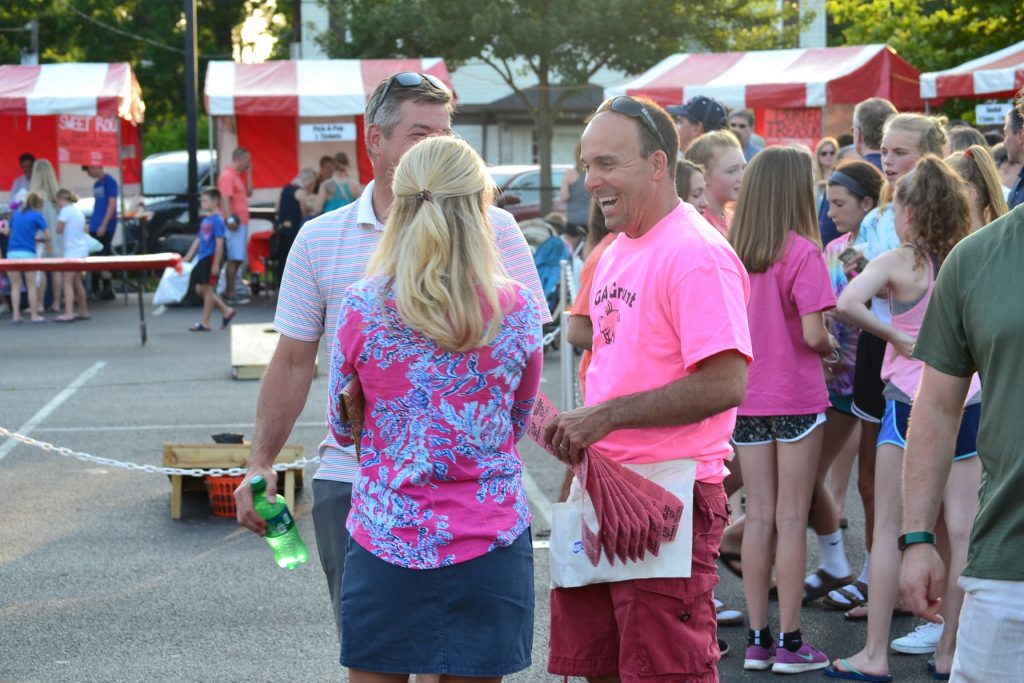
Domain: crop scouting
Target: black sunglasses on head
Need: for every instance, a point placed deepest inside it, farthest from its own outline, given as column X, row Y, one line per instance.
column 411, row 79
column 627, row 106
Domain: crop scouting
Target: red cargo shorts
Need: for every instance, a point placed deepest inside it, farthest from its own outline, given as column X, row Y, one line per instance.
column 646, row 629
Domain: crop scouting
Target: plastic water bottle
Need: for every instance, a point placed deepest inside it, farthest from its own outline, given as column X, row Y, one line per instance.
column 282, row 531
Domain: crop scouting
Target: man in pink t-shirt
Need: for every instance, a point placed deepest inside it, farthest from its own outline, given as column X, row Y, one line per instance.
column 671, row 348
column 235, row 185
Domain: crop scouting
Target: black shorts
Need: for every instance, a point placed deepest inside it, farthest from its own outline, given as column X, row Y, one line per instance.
column 201, row 271
column 868, row 402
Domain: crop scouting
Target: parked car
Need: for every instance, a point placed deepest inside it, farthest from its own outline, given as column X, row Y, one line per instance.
column 520, row 188
column 165, row 193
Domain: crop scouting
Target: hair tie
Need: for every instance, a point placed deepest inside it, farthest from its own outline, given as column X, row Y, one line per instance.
column 969, row 153
column 425, row 196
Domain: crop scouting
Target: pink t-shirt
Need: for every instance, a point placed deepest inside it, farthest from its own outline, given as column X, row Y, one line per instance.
column 786, row 377
column 660, row 304
column 233, row 192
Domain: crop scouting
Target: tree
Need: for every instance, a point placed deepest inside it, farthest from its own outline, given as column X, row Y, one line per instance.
column 149, row 34
column 930, row 34
column 563, row 42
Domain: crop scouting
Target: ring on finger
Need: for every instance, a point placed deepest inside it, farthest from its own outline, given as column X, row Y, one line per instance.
column 564, row 446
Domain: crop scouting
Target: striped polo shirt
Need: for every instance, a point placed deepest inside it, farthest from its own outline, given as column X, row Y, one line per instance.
column 329, row 254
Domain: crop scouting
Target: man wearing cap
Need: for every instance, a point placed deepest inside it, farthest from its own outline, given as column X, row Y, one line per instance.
column 698, row 116
column 330, row 253
column 670, row 352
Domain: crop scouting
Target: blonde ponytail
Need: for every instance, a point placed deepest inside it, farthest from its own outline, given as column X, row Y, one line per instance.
column 438, row 246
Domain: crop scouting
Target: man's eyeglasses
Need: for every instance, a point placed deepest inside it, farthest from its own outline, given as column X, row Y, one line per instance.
column 627, row 106
column 411, row 79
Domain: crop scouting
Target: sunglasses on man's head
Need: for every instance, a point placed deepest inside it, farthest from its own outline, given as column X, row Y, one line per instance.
column 412, row 79
column 627, row 106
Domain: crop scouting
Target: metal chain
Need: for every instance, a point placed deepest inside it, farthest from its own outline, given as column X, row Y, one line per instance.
column 550, row 337
column 186, row 472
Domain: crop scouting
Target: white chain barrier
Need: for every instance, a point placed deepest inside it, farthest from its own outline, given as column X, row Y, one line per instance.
column 154, row 469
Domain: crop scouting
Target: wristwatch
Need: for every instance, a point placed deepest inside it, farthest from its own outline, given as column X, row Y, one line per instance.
column 914, row 537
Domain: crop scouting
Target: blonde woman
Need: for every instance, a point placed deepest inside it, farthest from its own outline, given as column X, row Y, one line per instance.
column 44, row 182
column 721, row 156
column 28, row 233
column 71, row 228
column 825, row 155
column 447, row 352
column 977, row 169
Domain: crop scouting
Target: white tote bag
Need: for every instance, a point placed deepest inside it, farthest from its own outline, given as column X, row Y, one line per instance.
column 569, row 565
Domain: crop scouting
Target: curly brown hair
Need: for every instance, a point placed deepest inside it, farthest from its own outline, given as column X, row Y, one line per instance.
column 940, row 213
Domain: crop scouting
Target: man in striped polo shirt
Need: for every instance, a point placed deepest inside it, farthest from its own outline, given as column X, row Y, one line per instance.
column 329, row 254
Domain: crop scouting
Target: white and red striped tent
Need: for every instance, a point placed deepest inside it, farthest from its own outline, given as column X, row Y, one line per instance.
column 1000, row 74
column 781, row 79
column 32, row 98
column 276, row 96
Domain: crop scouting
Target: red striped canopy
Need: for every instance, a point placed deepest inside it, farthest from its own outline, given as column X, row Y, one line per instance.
column 1000, row 74
column 784, row 79
column 330, row 87
column 76, row 89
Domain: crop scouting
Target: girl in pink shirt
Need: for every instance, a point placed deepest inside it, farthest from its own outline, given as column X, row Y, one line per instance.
column 720, row 154
column 932, row 213
column 778, row 443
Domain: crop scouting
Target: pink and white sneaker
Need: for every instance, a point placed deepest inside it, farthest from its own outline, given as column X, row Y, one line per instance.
column 807, row 658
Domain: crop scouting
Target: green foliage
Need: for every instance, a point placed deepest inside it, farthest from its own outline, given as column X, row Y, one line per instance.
column 930, row 34
column 168, row 134
column 563, row 42
column 149, row 34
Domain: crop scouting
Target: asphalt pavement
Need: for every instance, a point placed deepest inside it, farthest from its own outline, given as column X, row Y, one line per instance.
column 97, row 582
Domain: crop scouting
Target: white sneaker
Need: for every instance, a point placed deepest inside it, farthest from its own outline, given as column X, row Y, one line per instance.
column 922, row 640
column 726, row 615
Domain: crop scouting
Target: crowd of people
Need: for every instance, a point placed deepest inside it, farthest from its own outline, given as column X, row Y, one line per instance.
column 767, row 317
column 45, row 222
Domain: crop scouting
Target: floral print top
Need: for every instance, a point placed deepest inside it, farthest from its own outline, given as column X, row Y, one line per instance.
column 440, row 479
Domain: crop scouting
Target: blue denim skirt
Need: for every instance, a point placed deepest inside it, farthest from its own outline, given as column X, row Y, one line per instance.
column 474, row 618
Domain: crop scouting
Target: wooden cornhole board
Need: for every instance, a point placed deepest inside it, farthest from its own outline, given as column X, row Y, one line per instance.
column 252, row 347
column 205, row 456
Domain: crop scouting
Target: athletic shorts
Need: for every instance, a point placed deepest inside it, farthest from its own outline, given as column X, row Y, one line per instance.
column 841, row 403
column 201, row 271
column 897, row 418
column 473, row 618
column 754, row 430
column 18, row 254
column 654, row 630
column 868, row 402
column 237, row 243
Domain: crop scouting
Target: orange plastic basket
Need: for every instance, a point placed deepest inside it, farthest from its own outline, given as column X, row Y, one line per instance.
column 222, row 494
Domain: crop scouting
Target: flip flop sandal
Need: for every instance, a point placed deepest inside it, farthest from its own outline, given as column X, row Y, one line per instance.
column 852, row 674
column 732, row 561
column 63, row 319
column 851, row 597
column 227, row 319
column 936, row 675
column 826, row 584
column 198, row 327
column 863, row 614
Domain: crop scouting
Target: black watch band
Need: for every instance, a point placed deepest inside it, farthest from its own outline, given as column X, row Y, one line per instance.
column 915, row 537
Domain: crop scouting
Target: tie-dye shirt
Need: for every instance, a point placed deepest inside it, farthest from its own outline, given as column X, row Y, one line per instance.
column 440, row 479
column 840, row 376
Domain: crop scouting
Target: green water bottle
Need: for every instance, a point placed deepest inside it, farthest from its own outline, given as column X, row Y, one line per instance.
column 282, row 531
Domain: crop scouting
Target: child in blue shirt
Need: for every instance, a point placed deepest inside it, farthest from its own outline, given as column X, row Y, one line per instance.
column 208, row 250
column 27, row 227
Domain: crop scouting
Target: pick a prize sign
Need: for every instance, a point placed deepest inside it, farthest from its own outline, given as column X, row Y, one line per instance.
column 87, row 140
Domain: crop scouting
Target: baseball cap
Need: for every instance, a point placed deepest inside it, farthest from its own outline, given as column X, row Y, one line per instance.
column 703, row 110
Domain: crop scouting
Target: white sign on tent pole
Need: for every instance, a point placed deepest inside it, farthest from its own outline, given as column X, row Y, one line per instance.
column 327, row 132
column 992, row 114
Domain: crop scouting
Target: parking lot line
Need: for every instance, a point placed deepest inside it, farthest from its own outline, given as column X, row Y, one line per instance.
column 54, row 403
column 159, row 427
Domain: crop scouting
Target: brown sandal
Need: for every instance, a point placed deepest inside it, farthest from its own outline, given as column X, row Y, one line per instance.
column 852, row 599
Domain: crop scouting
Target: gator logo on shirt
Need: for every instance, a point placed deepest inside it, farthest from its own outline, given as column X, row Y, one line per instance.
column 608, row 321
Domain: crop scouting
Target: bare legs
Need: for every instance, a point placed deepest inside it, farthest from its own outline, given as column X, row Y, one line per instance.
column 360, row 676
column 960, row 503
column 29, row 278
column 885, row 562
column 74, row 289
column 779, row 479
